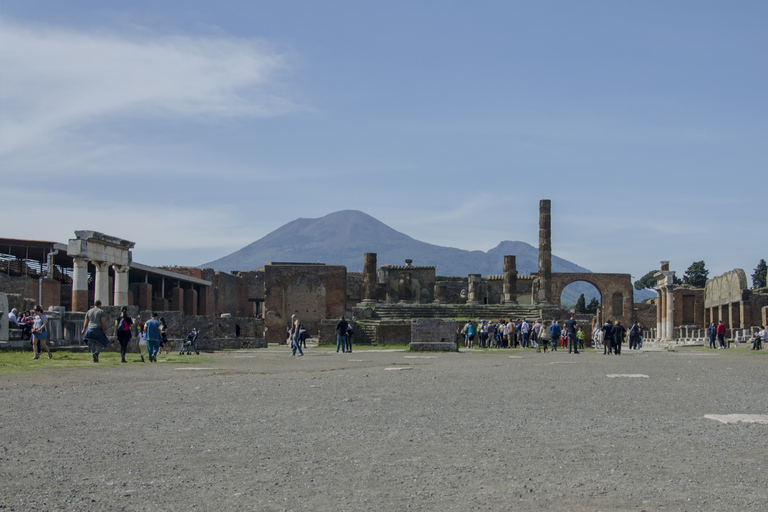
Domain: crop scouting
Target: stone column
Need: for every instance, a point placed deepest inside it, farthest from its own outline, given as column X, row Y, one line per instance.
column 473, row 288
column 670, row 320
column 660, row 313
column 80, row 284
column 121, row 285
column 545, row 251
column 510, row 280
column 101, row 283
column 369, row 277
column 441, row 294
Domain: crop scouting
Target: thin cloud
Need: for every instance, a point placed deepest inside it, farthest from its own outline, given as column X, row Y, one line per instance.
column 56, row 79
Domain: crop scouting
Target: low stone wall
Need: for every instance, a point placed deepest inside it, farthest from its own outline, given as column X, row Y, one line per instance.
column 431, row 334
column 395, row 333
column 326, row 332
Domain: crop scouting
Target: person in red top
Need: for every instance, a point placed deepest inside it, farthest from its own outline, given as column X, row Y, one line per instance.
column 721, row 334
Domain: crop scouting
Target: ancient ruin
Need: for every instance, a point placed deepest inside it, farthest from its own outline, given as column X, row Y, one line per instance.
column 408, row 304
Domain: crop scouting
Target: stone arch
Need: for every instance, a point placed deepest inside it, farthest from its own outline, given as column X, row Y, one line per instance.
column 615, row 290
column 558, row 300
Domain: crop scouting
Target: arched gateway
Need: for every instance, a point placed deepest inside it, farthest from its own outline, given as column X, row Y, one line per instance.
column 615, row 289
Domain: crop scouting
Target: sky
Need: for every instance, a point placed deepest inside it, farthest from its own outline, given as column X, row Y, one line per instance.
column 194, row 128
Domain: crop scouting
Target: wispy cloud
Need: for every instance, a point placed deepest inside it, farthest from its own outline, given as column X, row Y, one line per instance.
column 56, row 79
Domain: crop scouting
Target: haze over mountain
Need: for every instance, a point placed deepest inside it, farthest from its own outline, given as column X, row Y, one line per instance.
column 341, row 238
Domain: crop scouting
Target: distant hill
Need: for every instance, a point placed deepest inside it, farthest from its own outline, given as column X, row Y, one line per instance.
column 341, row 238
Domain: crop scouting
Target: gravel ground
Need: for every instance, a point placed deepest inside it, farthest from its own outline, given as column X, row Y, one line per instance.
column 388, row 430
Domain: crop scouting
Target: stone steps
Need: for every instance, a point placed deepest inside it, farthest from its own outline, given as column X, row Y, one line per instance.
column 478, row 312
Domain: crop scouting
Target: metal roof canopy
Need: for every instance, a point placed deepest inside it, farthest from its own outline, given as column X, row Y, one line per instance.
column 36, row 250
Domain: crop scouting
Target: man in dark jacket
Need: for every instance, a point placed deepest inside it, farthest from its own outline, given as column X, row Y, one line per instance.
column 341, row 335
column 619, row 331
column 607, row 337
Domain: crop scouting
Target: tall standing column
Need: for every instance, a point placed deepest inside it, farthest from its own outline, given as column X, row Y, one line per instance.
column 545, row 251
column 510, row 280
column 80, row 284
column 101, row 282
column 670, row 319
column 369, row 277
column 121, row 285
column 659, row 314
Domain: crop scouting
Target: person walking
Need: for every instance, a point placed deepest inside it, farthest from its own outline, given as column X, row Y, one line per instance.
column 341, row 335
column 712, row 334
column 570, row 327
column 607, row 337
column 153, row 336
column 350, row 335
column 555, row 334
column 619, row 331
column 94, row 330
column 721, row 334
column 40, row 333
column 122, row 331
column 141, row 341
column 294, row 333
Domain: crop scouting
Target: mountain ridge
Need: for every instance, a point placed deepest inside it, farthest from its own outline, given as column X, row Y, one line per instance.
column 341, row 238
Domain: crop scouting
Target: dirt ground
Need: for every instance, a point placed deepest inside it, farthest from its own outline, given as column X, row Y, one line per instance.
column 389, row 430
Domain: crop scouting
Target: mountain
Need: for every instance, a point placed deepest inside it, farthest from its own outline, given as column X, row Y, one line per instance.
column 341, row 238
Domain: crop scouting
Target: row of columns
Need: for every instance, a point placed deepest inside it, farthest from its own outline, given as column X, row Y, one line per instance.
column 101, row 284
column 665, row 316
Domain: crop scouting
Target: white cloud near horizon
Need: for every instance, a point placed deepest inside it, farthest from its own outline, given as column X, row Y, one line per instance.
column 56, row 79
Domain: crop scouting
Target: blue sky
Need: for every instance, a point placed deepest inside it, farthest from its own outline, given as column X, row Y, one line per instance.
column 194, row 128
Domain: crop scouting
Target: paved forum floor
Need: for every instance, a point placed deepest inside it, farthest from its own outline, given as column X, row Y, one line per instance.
column 384, row 430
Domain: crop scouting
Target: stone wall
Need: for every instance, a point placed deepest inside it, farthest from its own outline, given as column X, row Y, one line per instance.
column 433, row 334
column 422, row 279
column 645, row 313
column 456, row 288
column 24, row 287
column 725, row 289
column 230, row 295
column 394, row 333
column 326, row 332
column 354, row 289
column 688, row 305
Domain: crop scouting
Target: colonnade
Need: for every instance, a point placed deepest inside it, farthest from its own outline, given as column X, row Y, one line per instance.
column 103, row 252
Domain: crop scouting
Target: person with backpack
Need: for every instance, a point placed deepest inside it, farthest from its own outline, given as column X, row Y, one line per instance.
column 554, row 334
column 123, row 331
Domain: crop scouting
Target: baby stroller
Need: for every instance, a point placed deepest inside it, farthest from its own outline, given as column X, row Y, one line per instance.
column 191, row 343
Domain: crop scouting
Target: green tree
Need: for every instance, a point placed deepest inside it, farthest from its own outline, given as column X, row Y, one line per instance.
column 592, row 306
column 759, row 277
column 647, row 281
column 581, row 304
column 696, row 275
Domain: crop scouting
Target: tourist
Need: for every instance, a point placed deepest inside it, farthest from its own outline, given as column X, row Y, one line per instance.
column 464, row 332
column 721, row 334
column 535, row 333
column 511, row 339
column 163, row 335
column 570, row 328
column 757, row 339
column 295, row 336
column 94, row 330
column 712, row 334
column 13, row 321
column 525, row 331
column 141, row 341
column 555, row 333
column 607, row 337
column 504, row 329
column 491, row 334
column 580, row 338
column 341, row 335
column 597, row 334
column 619, row 331
column 122, row 331
column 25, row 322
column 763, row 335
column 40, row 333
column 634, row 342
column 153, row 337
column 640, row 335
column 482, row 335
column 471, row 332
column 350, row 335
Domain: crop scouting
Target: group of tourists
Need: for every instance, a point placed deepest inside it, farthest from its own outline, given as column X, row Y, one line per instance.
column 151, row 335
column 501, row 334
column 344, row 335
